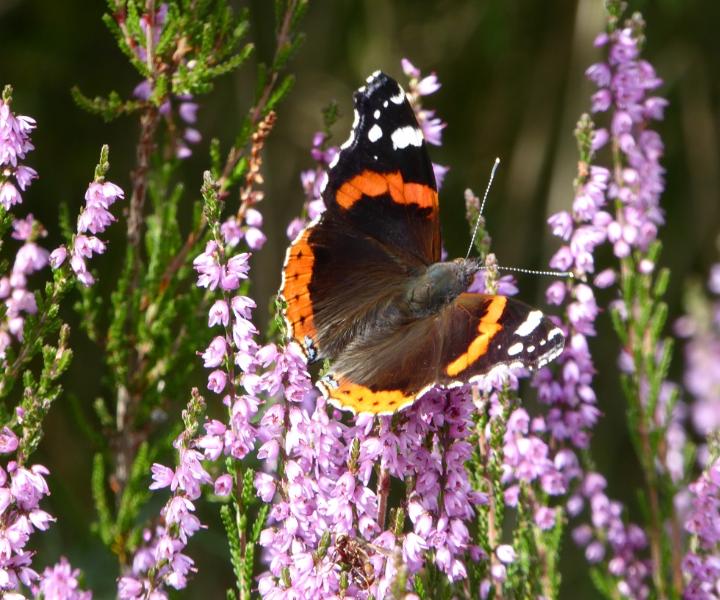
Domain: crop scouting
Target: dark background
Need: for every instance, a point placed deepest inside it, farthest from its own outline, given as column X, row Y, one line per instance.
column 513, row 87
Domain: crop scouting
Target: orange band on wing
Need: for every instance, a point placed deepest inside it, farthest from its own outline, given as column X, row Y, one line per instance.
column 372, row 184
column 360, row 399
column 296, row 282
column 487, row 328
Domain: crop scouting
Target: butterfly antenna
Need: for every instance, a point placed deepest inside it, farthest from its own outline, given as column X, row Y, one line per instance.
column 536, row 272
column 482, row 205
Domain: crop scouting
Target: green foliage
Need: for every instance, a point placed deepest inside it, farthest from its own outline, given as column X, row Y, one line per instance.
column 107, row 108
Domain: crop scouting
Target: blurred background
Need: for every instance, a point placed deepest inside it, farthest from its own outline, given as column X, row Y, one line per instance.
column 512, row 86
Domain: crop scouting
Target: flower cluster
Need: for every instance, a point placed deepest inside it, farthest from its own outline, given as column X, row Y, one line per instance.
column 623, row 211
column 313, row 183
column 14, row 145
column 701, row 565
column 21, row 490
column 326, row 492
column 160, row 561
column 701, row 327
column 624, row 82
column 608, row 528
column 94, row 218
column 60, row 582
column 19, row 300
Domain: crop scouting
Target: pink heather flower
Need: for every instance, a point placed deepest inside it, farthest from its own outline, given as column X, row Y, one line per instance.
column 60, row 582
column 22, row 489
column 219, row 314
column 223, row 485
column 428, row 85
column 506, row 553
column 217, row 381
column 162, row 476
column 8, row 440
column 57, row 257
column 208, row 267
column 409, row 69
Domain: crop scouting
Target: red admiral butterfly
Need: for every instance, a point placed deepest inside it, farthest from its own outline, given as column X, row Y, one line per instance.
column 364, row 285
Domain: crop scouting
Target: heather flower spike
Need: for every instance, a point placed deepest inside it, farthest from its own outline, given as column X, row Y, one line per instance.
column 14, row 146
column 95, row 217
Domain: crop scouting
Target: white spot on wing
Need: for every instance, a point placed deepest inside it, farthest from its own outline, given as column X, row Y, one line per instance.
column 406, row 136
column 531, row 349
column 556, row 331
column 385, row 104
column 516, row 348
column 334, row 160
column 399, row 97
column 530, row 323
column 375, row 133
column 376, row 114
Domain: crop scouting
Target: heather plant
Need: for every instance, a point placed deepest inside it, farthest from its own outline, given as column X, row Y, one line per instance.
column 469, row 493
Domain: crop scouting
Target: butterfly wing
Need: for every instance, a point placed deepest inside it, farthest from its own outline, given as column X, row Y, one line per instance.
column 465, row 340
column 343, row 273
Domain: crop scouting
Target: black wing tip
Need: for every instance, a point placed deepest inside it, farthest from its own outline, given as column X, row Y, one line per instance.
column 377, row 83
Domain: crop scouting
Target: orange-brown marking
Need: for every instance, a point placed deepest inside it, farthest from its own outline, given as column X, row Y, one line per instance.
column 370, row 183
column 363, row 400
column 295, row 291
column 487, row 328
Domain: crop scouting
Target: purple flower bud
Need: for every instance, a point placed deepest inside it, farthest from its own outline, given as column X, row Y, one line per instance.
column 594, row 552
column 188, row 111
column 219, row 314
column 294, row 228
column 545, row 517
column 215, row 353
column 217, row 381
column 8, row 441
column 255, row 238
column 409, row 69
column 58, row 256
column 605, row 278
column 162, row 476
column 223, row 485
column 506, row 554
column 9, row 195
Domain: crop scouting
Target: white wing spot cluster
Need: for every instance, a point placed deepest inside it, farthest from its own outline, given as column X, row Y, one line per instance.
column 406, row 136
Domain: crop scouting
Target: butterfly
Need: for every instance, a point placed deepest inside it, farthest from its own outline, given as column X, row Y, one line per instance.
column 364, row 285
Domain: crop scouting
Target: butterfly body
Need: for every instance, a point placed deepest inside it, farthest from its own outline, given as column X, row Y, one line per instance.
column 364, row 285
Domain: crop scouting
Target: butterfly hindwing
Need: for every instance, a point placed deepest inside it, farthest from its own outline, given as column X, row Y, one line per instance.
column 466, row 339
